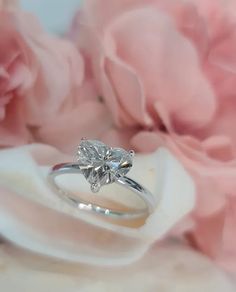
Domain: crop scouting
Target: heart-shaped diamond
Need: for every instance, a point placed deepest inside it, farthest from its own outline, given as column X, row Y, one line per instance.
column 101, row 164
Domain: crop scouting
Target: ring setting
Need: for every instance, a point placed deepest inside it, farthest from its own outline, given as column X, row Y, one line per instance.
column 102, row 165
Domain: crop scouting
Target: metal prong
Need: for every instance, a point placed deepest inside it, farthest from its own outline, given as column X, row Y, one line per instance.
column 132, row 153
column 95, row 187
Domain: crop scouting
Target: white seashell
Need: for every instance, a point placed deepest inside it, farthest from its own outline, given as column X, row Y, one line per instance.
column 33, row 217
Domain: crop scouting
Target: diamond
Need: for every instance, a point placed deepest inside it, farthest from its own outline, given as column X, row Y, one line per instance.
column 101, row 164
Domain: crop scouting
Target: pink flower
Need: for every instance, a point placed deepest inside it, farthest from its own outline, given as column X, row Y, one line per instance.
column 167, row 72
column 40, row 77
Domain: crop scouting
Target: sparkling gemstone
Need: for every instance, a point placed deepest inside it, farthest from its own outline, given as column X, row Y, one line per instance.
column 101, row 164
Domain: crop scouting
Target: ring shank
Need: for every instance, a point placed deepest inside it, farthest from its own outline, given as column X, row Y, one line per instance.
column 73, row 168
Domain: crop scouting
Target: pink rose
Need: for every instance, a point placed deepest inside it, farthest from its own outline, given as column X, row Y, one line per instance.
column 167, row 72
column 40, row 77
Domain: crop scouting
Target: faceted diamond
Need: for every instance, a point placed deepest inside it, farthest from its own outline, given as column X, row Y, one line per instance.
column 101, row 164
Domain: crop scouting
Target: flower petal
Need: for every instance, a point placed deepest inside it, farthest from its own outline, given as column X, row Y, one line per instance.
column 65, row 232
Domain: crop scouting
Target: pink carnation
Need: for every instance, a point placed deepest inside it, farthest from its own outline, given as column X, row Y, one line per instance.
column 167, row 72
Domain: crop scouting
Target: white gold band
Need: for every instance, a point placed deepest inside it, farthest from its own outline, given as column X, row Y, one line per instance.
column 74, row 168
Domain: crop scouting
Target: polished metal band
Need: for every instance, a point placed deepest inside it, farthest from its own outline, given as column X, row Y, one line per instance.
column 73, row 168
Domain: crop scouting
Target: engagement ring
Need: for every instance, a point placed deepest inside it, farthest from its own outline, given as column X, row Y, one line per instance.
column 102, row 165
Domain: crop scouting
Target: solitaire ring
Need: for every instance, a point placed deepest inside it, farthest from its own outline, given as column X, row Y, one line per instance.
column 102, row 165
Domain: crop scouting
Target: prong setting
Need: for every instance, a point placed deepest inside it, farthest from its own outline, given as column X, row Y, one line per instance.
column 95, row 187
column 132, row 153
